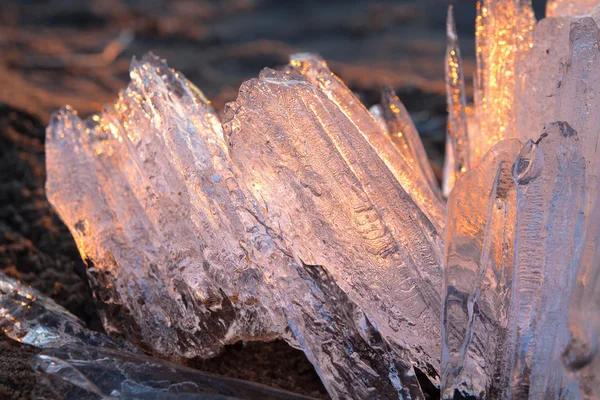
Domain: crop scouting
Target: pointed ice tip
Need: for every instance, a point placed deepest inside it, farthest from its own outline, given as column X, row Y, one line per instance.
column 151, row 57
column 451, row 25
column 59, row 119
column 63, row 113
column 148, row 60
column 387, row 95
column 298, row 59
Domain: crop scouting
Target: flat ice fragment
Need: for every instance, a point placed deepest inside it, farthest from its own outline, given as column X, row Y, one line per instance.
column 29, row 317
column 78, row 372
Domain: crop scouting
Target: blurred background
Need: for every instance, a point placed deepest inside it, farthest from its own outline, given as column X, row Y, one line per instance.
column 56, row 52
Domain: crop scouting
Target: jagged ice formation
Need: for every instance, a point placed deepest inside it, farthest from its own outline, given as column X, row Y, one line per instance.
column 302, row 215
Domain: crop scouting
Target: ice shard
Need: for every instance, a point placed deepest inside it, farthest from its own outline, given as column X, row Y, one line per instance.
column 29, row 317
column 508, row 279
column 291, row 141
column 406, row 139
column 147, row 184
column 458, row 155
column 557, row 82
column 577, row 100
column 478, row 275
column 550, row 177
column 78, row 372
column 502, row 35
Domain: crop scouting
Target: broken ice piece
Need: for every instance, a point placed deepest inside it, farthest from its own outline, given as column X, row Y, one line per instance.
column 29, row 317
column 103, row 366
column 93, row 372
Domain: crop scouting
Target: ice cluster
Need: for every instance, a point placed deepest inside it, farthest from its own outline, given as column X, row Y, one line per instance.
column 299, row 214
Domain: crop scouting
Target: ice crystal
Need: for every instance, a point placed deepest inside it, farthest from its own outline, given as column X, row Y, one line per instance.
column 302, row 215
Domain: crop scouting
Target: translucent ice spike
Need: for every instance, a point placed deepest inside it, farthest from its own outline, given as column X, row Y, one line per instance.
column 553, row 74
column 478, row 274
column 406, row 138
column 503, row 36
column 78, row 372
column 458, row 156
column 550, row 177
column 75, row 188
column 29, row 317
column 426, row 196
column 336, row 204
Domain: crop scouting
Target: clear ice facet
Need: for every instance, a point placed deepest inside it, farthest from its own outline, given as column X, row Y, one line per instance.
column 29, row 317
column 478, row 274
column 550, row 178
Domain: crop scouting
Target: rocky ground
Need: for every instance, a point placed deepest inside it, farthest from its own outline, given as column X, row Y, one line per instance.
column 60, row 52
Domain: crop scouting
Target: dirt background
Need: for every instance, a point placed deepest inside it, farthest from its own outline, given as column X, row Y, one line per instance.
column 51, row 55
